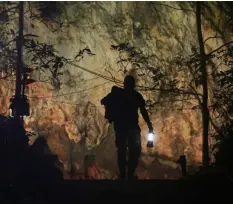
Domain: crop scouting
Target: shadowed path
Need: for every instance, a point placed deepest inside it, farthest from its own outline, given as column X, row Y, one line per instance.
column 155, row 191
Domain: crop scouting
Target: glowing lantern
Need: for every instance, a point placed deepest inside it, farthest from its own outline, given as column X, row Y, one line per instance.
column 151, row 138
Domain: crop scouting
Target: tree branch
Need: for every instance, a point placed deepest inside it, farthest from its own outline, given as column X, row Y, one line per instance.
column 211, row 38
column 179, row 9
column 228, row 43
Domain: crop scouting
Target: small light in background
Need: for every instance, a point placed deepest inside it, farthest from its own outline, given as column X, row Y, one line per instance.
column 11, row 113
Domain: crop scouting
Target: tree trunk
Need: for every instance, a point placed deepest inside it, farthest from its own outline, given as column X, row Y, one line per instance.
column 204, row 105
column 19, row 44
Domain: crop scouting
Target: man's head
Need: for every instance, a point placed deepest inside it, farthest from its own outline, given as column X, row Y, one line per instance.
column 129, row 82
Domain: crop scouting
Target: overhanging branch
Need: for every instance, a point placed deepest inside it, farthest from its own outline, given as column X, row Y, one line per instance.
column 228, row 43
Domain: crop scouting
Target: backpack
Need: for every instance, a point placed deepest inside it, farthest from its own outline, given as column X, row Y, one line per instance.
column 112, row 103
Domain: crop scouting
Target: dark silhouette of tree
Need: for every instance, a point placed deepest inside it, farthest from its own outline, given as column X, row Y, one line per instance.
column 204, row 84
column 223, row 107
column 222, row 54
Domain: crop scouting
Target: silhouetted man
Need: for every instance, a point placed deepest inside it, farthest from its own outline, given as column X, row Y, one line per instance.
column 126, row 103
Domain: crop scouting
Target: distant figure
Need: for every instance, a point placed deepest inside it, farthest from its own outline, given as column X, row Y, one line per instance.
column 122, row 109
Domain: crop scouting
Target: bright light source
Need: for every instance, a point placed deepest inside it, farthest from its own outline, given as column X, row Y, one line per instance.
column 150, row 136
column 11, row 113
column 151, row 139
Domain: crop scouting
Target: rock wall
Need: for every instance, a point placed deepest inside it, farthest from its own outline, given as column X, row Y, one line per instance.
column 72, row 119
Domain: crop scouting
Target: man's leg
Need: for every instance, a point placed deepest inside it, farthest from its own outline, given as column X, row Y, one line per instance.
column 134, row 145
column 121, row 152
column 121, row 160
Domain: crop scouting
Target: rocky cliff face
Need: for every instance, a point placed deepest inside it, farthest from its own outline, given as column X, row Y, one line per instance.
column 72, row 119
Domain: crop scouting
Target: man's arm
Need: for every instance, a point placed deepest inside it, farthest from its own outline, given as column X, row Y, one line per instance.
column 142, row 106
